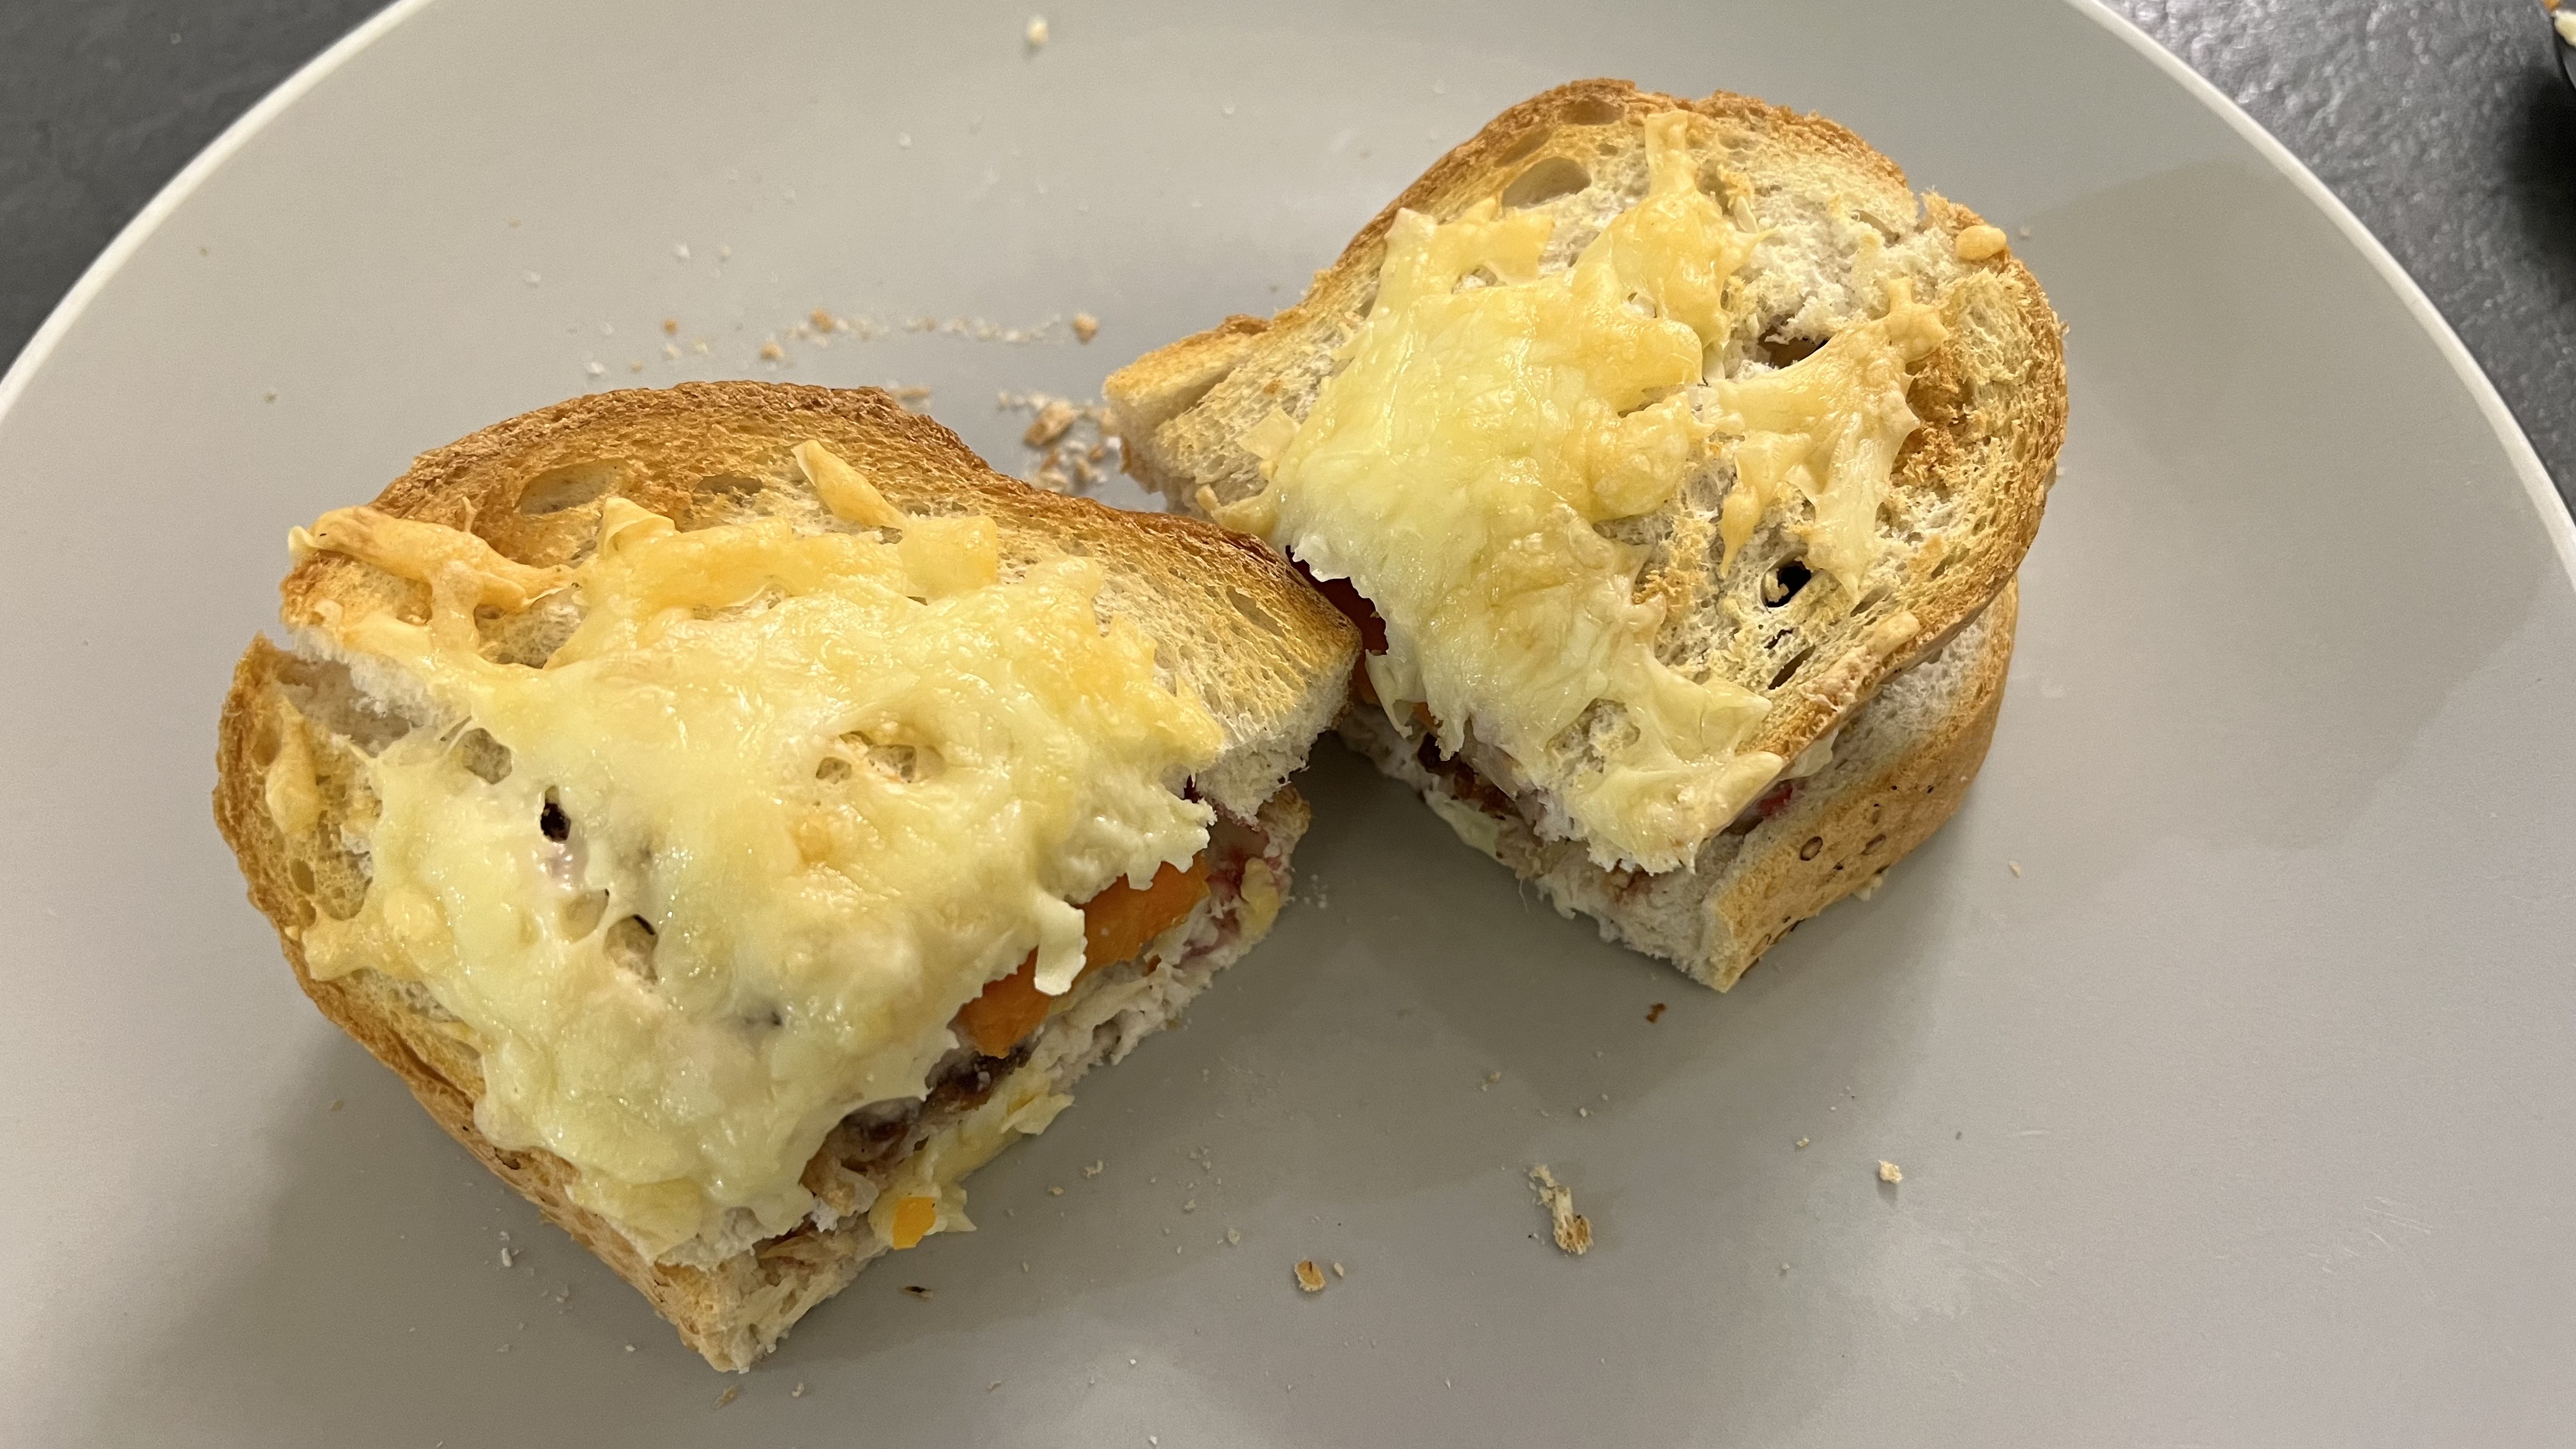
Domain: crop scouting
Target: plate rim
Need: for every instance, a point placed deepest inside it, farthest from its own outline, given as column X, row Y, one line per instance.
column 2554, row 515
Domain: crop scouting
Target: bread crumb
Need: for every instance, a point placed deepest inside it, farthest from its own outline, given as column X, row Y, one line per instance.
column 630, row 1348
column 680, row 251
column 1035, row 33
column 1309, row 1277
column 1655, row 1012
column 335, row 1104
column 1890, row 1172
column 1085, row 327
column 916, row 1290
column 729, row 1395
column 1233, row 1239
column 532, row 279
column 1582, row 1111
column 1191, row 1206
column 995, row 1384
column 771, row 351
column 1055, row 1192
column 1802, row 1142
column 670, row 352
column 269, row 396
column 797, row 1392
column 823, row 321
column 1979, row 243
column 1054, row 417
column 1572, row 1229
column 509, row 1256
column 2015, row 865
column 670, row 326
column 1338, row 1272
column 596, row 370
column 634, row 367
column 1095, row 1169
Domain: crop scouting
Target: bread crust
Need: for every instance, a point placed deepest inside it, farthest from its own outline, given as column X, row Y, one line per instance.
column 1992, row 398
column 1903, row 767
column 686, row 452
column 1823, row 848
column 1267, row 656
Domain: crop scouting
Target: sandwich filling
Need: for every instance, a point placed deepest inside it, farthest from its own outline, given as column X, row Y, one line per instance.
column 1491, row 416
column 788, row 819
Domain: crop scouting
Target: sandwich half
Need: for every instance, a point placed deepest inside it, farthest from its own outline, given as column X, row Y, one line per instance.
column 738, row 813
column 1676, row 461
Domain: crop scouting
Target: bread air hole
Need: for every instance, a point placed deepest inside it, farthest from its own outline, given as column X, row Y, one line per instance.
column 1545, row 181
column 833, row 770
column 1789, row 351
column 581, row 914
column 1784, row 582
column 630, row 947
column 1529, row 140
column 1789, row 670
column 552, row 822
column 483, row 757
column 1595, row 111
column 560, row 490
column 904, row 764
column 1251, row 610
column 265, row 742
column 907, row 763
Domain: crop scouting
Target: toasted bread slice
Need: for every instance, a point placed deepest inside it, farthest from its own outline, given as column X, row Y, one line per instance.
column 1900, row 767
column 1265, row 656
column 1834, row 225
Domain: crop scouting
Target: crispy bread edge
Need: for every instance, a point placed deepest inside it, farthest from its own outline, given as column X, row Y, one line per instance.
column 1858, row 832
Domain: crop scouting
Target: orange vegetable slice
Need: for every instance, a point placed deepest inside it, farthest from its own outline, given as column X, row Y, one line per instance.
column 1116, row 924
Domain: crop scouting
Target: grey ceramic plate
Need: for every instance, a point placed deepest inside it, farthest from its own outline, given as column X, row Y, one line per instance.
column 2240, row 1114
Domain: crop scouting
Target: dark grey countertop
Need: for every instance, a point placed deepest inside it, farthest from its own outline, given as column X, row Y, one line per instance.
column 2442, row 123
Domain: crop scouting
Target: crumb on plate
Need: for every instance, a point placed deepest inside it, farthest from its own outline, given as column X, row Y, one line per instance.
column 1572, row 1229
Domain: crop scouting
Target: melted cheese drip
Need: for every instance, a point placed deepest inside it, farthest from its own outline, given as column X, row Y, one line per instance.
column 1456, row 469
column 815, row 934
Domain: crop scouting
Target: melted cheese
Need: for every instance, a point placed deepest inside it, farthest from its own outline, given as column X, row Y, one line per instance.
column 846, row 782
column 1490, row 416
column 1828, row 427
column 1456, row 468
